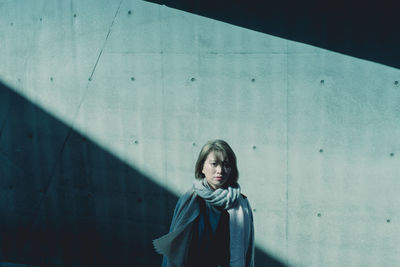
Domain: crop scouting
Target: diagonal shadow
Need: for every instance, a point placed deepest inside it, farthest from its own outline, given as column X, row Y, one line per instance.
column 67, row 201
column 362, row 29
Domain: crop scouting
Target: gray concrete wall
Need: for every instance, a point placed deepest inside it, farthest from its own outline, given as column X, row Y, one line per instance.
column 106, row 104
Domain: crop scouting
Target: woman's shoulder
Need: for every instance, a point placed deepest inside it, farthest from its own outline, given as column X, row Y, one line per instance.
column 187, row 196
column 244, row 201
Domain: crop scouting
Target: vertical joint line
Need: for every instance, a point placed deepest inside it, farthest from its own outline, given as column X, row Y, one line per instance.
column 166, row 184
column 287, row 155
column 105, row 41
column 52, row 173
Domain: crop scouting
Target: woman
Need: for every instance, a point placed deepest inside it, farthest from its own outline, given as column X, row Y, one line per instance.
column 212, row 223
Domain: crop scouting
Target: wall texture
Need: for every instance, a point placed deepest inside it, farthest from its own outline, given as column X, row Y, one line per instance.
column 104, row 106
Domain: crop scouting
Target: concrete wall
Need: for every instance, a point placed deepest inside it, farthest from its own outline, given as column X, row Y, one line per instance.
column 106, row 104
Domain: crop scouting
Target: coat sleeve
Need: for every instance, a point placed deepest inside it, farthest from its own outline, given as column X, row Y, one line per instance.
column 172, row 226
column 177, row 211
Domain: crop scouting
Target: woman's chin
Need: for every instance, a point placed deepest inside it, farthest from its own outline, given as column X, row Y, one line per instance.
column 219, row 183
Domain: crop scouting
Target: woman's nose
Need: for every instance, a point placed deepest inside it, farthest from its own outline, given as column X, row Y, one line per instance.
column 219, row 168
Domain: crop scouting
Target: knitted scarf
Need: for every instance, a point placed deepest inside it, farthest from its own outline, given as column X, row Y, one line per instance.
column 175, row 244
column 224, row 198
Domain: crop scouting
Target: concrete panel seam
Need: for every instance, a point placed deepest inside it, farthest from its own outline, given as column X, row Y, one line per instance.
column 105, row 41
column 51, row 176
column 287, row 154
column 165, row 168
column 111, row 52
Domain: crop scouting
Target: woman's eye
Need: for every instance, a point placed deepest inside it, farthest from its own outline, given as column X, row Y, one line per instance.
column 213, row 164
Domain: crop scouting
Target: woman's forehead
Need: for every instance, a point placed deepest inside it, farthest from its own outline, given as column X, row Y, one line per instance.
column 217, row 155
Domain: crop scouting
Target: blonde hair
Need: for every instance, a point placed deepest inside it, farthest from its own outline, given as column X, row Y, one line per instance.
column 222, row 147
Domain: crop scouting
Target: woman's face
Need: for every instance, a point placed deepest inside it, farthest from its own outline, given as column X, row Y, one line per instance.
column 216, row 169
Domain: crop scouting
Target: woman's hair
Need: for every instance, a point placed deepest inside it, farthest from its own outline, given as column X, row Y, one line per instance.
column 222, row 147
